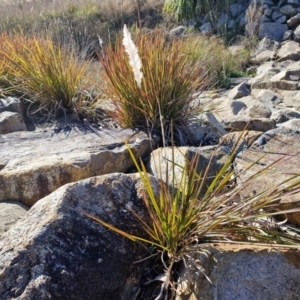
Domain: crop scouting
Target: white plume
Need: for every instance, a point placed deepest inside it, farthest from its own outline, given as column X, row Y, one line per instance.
column 134, row 59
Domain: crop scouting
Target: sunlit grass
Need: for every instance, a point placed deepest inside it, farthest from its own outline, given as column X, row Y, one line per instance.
column 46, row 74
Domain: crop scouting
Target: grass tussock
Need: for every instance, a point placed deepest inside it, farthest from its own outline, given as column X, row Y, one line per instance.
column 46, row 74
column 188, row 9
column 171, row 75
column 190, row 214
column 220, row 62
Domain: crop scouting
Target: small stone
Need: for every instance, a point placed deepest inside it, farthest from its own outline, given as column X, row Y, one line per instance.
column 239, row 91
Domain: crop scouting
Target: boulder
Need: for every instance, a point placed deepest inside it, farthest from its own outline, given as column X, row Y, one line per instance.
column 206, row 28
column 161, row 159
column 241, row 272
column 288, row 10
column 294, row 21
column 276, row 83
column 266, row 44
column 245, row 139
column 237, row 106
column 57, row 252
column 297, row 34
column 263, row 76
column 238, row 123
column 11, row 122
column 239, row 91
column 281, row 146
column 269, row 98
column 289, row 51
column 10, row 213
column 272, row 30
column 236, row 9
column 34, row 164
column 288, row 35
column 263, row 56
column 178, row 31
column 258, row 111
column 284, row 115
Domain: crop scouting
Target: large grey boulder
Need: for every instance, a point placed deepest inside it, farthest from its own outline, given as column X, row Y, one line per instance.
column 242, row 272
column 11, row 122
column 56, row 252
column 34, row 164
column 272, row 30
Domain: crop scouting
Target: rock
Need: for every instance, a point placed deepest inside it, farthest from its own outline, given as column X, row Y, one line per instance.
column 11, row 122
column 34, row 164
column 236, row 9
column 297, row 34
column 294, row 21
column 265, row 19
column 289, row 51
column 277, row 83
column 178, row 31
column 281, row 20
column 263, row 77
column 245, row 139
column 206, row 28
column 238, row 123
column 11, row 104
column 263, row 56
column 291, row 99
column 222, row 21
column 284, row 115
column 287, row 75
column 56, row 252
column 272, row 30
column 237, row 106
column 258, row 111
column 10, row 213
column 209, row 119
column 241, row 272
column 160, row 162
column 276, row 15
column 280, row 145
column 269, row 98
column 268, row 12
column 288, row 10
column 288, row 35
column 230, row 24
column 239, row 91
column 266, row 44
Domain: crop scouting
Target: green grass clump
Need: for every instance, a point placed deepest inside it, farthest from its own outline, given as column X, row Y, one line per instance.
column 184, row 216
column 189, row 9
column 47, row 75
column 171, row 75
column 220, row 62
